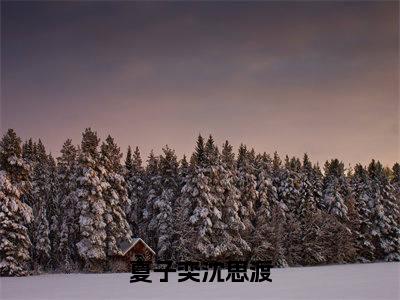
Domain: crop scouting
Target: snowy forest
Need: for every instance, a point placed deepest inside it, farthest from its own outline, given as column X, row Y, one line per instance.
column 68, row 214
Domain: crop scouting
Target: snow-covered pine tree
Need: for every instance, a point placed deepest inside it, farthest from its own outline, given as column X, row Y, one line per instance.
column 386, row 214
column 28, row 155
column 41, row 194
column 310, row 186
column 54, row 215
column 126, row 170
column 289, row 185
column 15, row 215
column 337, row 243
column 11, row 161
column 89, row 193
column 214, row 225
column 161, row 223
column 396, row 180
column 28, row 151
column 115, row 197
column 336, row 190
column 278, row 171
column 128, row 159
column 183, row 171
column 310, row 216
column 42, row 245
column 134, row 177
column 364, row 203
column 153, row 190
column 337, row 195
column 228, row 157
column 272, row 245
column 67, row 254
column 267, row 196
column 247, row 186
column 318, row 182
column 231, row 244
column 198, row 195
column 273, row 235
column 181, row 214
column 289, row 195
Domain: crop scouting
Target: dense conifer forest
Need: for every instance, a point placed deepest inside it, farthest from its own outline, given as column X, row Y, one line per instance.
column 69, row 214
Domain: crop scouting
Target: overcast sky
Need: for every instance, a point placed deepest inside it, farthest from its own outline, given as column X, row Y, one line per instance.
column 316, row 77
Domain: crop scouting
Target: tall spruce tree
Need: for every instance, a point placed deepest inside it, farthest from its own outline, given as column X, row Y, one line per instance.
column 42, row 194
column 54, row 215
column 267, row 195
column 233, row 244
column 396, row 180
column 309, row 215
column 15, row 215
column 310, row 186
column 289, row 188
column 161, row 223
column 28, row 151
column 385, row 214
column 364, row 204
column 153, row 191
column 336, row 189
column 198, row 194
column 69, row 224
column 115, row 197
column 90, row 192
column 181, row 214
column 247, row 185
column 134, row 177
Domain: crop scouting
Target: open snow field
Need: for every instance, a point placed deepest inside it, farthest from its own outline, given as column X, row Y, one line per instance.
column 367, row 281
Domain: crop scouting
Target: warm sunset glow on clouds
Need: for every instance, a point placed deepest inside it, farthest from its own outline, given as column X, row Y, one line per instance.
column 316, row 77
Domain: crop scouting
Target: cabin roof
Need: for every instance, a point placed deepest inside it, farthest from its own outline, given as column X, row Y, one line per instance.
column 126, row 246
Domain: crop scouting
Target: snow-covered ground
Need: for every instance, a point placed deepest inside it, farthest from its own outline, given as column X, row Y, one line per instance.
column 367, row 281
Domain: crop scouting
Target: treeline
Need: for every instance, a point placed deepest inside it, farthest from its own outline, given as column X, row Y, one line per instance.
column 71, row 213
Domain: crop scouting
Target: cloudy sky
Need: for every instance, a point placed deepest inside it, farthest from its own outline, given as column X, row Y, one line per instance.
column 316, row 77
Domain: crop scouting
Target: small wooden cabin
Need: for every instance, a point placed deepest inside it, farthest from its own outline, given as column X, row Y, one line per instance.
column 132, row 251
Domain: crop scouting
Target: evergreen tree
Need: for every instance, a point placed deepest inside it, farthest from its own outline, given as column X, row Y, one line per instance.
column 232, row 242
column 134, row 177
column 42, row 246
column 396, row 180
column 336, row 190
column 153, row 190
column 228, row 157
column 184, row 170
column 215, row 208
column 289, row 187
column 310, row 186
column 267, row 195
column 385, row 215
column 364, row 203
column 53, row 210
column 69, row 224
column 28, row 151
column 309, row 215
column 163, row 203
column 89, row 194
column 198, row 194
column 181, row 212
column 15, row 215
column 115, row 197
column 128, row 159
column 199, row 158
column 41, row 198
column 247, row 185
column 278, row 172
column 213, row 217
